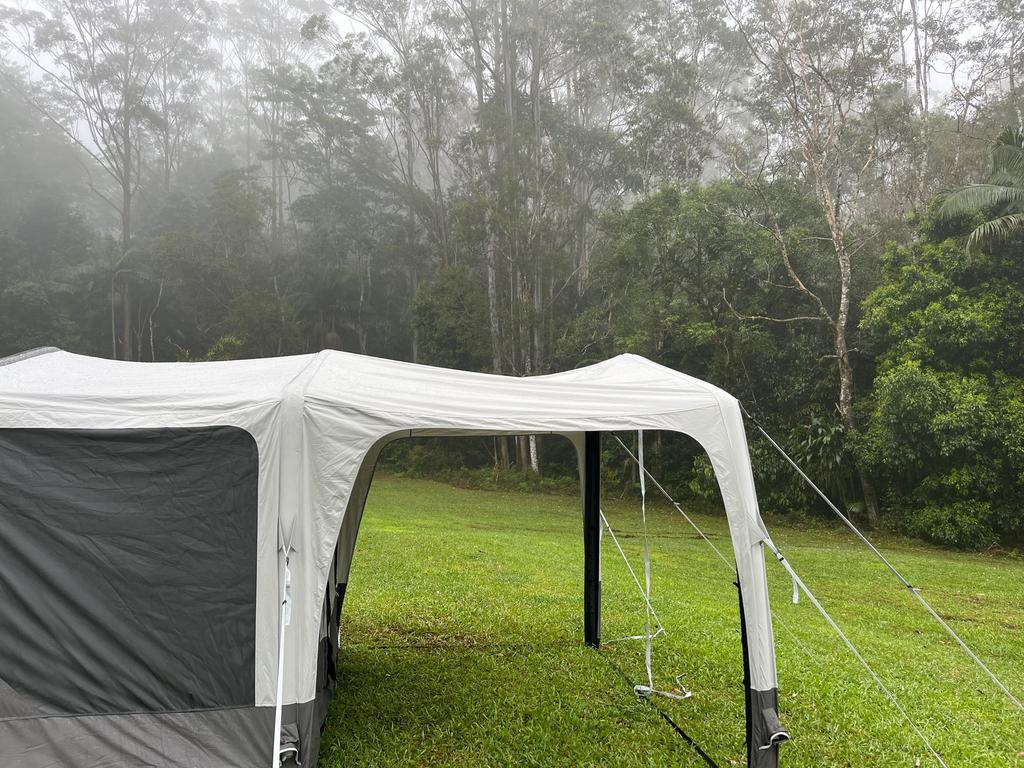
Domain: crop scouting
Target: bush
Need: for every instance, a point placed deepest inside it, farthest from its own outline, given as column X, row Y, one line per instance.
column 963, row 524
column 945, row 432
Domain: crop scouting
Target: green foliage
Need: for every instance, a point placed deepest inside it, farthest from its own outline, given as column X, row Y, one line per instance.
column 467, row 462
column 52, row 284
column 945, row 423
column 673, row 273
column 239, row 205
column 1001, row 198
column 266, row 323
column 490, row 478
column 451, row 317
column 821, row 446
column 226, row 348
column 965, row 524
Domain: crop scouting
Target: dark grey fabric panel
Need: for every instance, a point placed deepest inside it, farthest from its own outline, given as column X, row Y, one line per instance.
column 225, row 738
column 238, row 737
column 765, row 731
column 127, row 569
column 19, row 704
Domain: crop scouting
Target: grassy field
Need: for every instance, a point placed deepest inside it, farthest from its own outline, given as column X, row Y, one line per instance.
column 462, row 643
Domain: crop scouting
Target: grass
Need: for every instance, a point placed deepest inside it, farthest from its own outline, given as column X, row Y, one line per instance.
column 462, row 643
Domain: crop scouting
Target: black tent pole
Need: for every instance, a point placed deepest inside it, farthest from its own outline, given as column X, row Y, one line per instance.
column 592, row 539
column 748, row 705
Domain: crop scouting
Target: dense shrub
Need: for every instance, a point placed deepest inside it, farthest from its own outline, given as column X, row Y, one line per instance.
column 946, row 427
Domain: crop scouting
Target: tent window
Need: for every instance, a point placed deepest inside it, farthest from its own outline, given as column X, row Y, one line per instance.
column 127, row 569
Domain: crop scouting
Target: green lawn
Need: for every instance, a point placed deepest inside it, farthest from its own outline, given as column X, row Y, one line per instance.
column 462, row 643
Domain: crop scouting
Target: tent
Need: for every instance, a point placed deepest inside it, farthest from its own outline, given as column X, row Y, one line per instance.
column 175, row 538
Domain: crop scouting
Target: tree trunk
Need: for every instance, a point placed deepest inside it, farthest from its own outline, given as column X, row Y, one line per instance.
column 871, row 509
column 415, row 281
column 522, row 452
column 492, row 304
column 126, row 322
column 126, row 237
column 492, row 256
column 503, row 452
column 871, row 505
column 920, row 63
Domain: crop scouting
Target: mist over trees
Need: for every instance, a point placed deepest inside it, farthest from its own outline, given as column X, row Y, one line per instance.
column 757, row 193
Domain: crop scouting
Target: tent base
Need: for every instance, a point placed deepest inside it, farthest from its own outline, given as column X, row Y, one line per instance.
column 228, row 738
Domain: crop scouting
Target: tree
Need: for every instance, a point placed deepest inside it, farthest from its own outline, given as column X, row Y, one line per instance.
column 947, row 413
column 1001, row 197
column 98, row 60
column 453, row 321
column 267, row 44
column 667, row 273
column 173, row 107
column 35, row 158
column 820, row 66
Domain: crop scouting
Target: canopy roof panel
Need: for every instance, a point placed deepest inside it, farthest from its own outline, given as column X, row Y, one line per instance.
column 626, row 385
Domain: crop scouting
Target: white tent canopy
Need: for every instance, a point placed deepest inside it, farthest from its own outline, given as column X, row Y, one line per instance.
column 318, row 423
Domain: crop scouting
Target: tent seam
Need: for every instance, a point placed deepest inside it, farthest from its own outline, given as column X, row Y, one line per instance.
column 369, row 410
column 130, row 713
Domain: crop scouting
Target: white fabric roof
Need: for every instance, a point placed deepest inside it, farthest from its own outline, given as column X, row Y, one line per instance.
column 318, row 418
column 625, row 386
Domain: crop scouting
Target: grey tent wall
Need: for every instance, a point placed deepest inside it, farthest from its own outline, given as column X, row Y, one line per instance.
column 354, row 515
column 107, row 536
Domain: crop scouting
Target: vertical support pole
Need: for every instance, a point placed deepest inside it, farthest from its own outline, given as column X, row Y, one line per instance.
column 763, row 738
column 592, row 539
column 747, row 703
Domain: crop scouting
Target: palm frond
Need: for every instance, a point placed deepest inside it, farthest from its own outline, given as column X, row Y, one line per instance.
column 998, row 230
column 1010, row 137
column 1008, row 160
column 976, row 197
column 1007, row 178
column 1003, row 194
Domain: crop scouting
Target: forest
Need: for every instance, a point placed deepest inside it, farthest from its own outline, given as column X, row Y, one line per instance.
column 817, row 206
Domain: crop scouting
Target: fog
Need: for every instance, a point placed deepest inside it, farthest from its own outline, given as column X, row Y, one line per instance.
column 510, row 186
